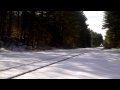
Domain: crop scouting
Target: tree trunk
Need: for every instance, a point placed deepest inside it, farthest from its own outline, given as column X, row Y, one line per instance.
column 10, row 24
column 18, row 17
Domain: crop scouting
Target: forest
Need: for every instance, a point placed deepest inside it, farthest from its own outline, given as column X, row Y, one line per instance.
column 46, row 29
column 112, row 24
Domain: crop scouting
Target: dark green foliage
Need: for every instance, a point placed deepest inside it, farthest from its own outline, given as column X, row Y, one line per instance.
column 61, row 29
column 112, row 24
column 96, row 39
column 3, row 24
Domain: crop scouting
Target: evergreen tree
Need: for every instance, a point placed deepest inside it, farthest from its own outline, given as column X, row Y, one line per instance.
column 112, row 23
column 61, row 29
column 96, row 39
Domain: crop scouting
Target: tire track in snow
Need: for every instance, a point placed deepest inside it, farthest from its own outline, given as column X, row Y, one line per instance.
column 33, row 62
column 29, row 63
column 44, row 66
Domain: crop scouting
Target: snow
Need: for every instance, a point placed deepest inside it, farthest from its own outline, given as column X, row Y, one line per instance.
column 91, row 63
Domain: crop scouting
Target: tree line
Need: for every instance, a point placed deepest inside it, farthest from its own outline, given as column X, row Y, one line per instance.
column 61, row 29
column 112, row 24
column 96, row 39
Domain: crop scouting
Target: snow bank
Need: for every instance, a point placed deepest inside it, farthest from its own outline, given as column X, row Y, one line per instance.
column 12, row 45
column 4, row 50
column 113, row 50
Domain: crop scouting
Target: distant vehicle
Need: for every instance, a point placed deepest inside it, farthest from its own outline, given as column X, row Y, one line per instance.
column 101, row 45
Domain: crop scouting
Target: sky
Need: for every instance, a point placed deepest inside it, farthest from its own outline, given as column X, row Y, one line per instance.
column 95, row 21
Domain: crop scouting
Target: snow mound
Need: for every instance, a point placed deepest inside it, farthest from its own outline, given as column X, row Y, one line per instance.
column 12, row 45
column 4, row 50
column 113, row 50
column 19, row 48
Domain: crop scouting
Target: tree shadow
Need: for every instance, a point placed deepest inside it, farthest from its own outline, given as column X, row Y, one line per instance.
column 94, row 65
column 91, row 66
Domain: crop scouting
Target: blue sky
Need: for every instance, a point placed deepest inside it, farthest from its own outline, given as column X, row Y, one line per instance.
column 95, row 21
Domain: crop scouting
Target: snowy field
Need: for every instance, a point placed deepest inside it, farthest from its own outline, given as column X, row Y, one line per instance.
column 87, row 63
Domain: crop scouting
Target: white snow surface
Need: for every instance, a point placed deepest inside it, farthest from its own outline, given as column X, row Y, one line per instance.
column 91, row 63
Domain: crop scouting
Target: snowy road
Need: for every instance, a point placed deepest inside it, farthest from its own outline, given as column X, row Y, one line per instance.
column 89, row 63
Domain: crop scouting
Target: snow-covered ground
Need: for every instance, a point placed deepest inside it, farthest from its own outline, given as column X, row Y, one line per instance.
column 82, row 63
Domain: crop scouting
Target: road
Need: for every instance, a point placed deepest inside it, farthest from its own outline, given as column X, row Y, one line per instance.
column 60, row 64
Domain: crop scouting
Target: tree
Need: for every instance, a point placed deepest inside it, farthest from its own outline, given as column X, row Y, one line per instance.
column 61, row 29
column 3, row 24
column 112, row 23
column 9, row 31
column 96, row 39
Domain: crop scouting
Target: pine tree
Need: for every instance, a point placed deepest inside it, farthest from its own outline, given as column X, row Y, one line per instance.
column 9, row 31
column 3, row 24
column 61, row 29
column 112, row 23
column 96, row 39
